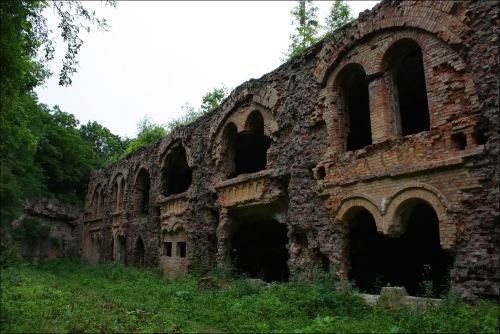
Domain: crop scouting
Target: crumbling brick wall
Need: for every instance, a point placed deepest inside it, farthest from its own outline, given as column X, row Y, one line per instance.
column 311, row 181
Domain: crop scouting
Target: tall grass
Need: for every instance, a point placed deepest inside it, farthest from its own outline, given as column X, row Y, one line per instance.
column 70, row 296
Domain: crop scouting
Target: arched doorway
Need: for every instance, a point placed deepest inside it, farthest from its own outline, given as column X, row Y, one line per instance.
column 364, row 250
column 259, row 248
column 139, row 252
column 418, row 256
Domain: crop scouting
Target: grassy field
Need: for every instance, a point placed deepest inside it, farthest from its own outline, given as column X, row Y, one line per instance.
column 70, row 296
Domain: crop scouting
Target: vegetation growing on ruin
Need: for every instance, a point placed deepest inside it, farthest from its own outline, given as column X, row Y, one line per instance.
column 69, row 296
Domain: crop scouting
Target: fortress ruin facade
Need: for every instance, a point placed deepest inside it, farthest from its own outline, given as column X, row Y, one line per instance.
column 374, row 155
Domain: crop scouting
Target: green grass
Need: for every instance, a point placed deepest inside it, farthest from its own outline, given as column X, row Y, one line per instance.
column 70, row 296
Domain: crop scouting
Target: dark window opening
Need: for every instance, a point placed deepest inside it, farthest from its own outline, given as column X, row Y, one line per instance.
column 181, row 249
column 410, row 89
column 143, row 186
column 122, row 249
column 323, row 261
column 321, row 173
column 459, row 141
column 177, row 175
column 480, row 137
column 410, row 260
column 167, row 249
column 248, row 149
column 139, row 253
column 300, row 239
column 356, row 104
column 259, row 248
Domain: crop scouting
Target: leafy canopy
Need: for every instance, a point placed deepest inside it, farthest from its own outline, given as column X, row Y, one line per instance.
column 340, row 14
column 42, row 151
column 306, row 27
column 308, row 31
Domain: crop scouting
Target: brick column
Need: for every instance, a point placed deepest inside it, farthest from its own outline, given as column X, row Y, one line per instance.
column 380, row 110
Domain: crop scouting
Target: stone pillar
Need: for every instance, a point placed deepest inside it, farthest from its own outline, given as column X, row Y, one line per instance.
column 224, row 239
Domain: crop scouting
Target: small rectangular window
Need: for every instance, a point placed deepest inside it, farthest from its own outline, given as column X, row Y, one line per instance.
column 167, row 249
column 181, row 249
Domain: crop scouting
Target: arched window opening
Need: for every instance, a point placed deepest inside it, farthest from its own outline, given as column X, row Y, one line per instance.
column 121, row 196
column 97, row 202
column 229, row 136
column 139, row 252
column 248, row 149
column 259, row 248
column 142, row 186
column 114, row 192
column 120, row 249
column 410, row 93
column 100, row 205
column 177, row 175
column 356, row 108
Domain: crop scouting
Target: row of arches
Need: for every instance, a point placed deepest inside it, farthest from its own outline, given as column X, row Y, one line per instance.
column 405, row 67
column 408, row 260
column 245, row 151
column 119, row 251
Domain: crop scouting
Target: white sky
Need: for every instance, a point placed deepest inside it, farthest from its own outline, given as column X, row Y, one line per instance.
column 156, row 56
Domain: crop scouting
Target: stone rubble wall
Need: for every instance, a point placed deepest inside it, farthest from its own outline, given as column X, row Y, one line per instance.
column 310, row 182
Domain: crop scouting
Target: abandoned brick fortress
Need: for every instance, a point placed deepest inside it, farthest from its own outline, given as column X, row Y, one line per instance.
column 374, row 155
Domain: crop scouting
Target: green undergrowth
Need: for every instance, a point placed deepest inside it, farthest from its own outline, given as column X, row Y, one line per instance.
column 70, row 296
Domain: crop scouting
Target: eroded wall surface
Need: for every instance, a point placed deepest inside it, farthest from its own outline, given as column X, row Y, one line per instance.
column 288, row 148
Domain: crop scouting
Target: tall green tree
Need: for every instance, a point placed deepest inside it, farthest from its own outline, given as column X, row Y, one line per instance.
column 32, row 137
column 213, row 98
column 106, row 146
column 306, row 27
column 209, row 101
column 148, row 133
column 340, row 14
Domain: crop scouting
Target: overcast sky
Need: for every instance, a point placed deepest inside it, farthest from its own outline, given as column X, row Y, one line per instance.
column 156, row 56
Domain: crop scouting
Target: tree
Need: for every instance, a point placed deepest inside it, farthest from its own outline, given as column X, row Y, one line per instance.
column 340, row 14
column 147, row 133
column 106, row 146
column 306, row 28
column 210, row 101
column 38, row 146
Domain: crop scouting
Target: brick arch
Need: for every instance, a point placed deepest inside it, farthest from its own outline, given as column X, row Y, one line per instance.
column 239, row 117
column 336, row 120
column 138, row 168
column 352, row 203
column 116, row 175
column 420, row 194
column 439, row 60
column 437, row 18
column 170, row 146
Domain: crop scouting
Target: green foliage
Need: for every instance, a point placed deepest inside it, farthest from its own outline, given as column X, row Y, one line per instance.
column 148, row 133
column 70, row 296
column 210, row 101
column 340, row 14
column 106, row 146
column 31, row 229
column 306, row 28
column 308, row 31
column 41, row 151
